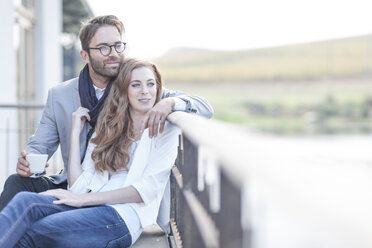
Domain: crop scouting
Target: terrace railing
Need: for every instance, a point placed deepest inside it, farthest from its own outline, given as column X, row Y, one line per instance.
column 17, row 123
column 235, row 188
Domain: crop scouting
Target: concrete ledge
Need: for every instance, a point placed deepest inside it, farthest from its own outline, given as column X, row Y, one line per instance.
column 154, row 237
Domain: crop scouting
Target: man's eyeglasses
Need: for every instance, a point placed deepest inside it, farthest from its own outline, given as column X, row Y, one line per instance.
column 106, row 50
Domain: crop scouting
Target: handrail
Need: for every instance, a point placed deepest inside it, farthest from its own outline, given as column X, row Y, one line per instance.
column 22, row 105
column 220, row 138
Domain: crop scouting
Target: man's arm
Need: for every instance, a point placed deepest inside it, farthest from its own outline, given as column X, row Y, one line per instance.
column 174, row 101
column 194, row 104
column 45, row 139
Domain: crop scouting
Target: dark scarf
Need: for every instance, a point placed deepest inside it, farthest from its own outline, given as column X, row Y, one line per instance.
column 89, row 100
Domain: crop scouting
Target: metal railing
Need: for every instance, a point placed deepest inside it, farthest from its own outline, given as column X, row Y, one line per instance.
column 17, row 123
column 232, row 188
column 206, row 201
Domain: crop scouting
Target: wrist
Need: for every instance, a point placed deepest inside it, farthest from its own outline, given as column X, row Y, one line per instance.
column 91, row 199
column 86, row 199
column 75, row 132
column 171, row 102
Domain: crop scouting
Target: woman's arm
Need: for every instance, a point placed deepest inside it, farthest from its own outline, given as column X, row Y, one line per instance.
column 123, row 195
column 74, row 165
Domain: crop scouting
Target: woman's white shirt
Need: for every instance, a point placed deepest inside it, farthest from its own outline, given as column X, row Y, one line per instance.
column 126, row 212
column 149, row 171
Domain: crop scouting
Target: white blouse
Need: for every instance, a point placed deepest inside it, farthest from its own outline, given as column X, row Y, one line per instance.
column 149, row 170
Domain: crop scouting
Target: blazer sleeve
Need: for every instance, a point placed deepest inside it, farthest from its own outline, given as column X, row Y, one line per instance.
column 194, row 104
column 45, row 139
column 162, row 157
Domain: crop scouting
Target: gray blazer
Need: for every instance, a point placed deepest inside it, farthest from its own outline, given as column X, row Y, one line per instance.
column 55, row 125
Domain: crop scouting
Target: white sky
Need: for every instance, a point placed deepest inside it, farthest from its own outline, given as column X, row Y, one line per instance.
column 156, row 26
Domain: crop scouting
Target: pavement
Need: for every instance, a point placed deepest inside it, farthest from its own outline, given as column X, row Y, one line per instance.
column 153, row 237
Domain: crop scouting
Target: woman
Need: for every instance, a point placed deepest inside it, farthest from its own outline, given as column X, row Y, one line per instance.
column 117, row 190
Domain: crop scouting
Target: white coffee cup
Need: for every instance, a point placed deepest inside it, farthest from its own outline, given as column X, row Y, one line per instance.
column 37, row 162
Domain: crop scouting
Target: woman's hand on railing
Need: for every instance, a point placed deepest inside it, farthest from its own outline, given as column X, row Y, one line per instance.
column 155, row 117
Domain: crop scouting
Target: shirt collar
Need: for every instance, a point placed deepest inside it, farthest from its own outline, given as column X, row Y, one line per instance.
column 99, row 91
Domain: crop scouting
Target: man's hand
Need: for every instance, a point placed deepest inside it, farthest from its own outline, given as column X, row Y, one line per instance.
column 65, row 197
column 157, row 114
column 23, row 167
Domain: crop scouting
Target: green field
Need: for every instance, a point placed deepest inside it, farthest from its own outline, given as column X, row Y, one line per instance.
column 291, row 108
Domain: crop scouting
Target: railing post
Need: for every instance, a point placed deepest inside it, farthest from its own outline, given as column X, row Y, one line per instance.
column 231, row 232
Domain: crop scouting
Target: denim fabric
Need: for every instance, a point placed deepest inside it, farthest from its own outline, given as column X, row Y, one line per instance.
column 32, row 220
column 16, row 183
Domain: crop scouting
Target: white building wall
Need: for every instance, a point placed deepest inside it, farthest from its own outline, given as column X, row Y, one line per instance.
column 48, row 50
column 8, row 94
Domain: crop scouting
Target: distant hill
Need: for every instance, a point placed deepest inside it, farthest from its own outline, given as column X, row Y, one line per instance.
column 347, row 57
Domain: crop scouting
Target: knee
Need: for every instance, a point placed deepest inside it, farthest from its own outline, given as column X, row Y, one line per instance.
column 21, row 202
column 16, row 183
column 14, row 180
column 26, row 197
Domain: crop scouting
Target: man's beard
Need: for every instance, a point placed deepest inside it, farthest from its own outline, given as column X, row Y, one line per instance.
column 98, row 67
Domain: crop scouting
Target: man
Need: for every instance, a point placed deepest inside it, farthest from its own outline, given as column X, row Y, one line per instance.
column 102, row 50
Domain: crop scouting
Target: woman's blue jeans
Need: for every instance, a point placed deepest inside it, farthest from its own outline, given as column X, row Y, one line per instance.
column 32, row 220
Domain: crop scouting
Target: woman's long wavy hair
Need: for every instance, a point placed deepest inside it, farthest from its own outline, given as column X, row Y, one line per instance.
column 114, row 129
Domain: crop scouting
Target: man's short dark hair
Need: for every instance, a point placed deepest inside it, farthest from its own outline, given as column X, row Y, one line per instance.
column 89, row 28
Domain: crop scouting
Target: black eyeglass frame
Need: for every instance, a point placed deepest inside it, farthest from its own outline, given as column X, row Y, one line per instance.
column 110, row 47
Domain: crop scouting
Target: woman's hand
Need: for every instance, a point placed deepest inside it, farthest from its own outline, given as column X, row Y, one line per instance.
column 65, row 197
column 79, row 117
column 157, row 114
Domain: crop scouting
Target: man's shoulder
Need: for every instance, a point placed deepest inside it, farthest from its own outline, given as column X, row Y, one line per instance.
column 70, row 84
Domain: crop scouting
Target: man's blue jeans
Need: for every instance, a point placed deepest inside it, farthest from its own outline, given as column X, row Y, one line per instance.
column 32, row 220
